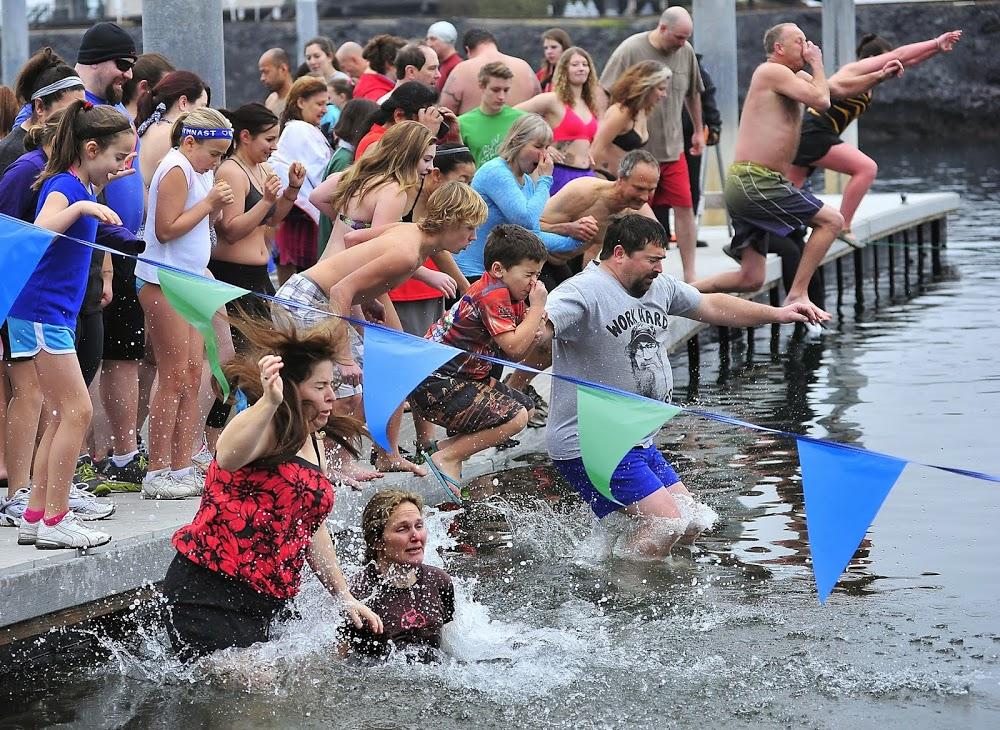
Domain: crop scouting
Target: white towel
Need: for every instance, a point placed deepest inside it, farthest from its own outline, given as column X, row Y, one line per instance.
column 305, row 143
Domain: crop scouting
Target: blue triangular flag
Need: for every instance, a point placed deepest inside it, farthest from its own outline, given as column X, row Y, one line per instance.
column 395, row 363
column 844, row 489
column 21, row 248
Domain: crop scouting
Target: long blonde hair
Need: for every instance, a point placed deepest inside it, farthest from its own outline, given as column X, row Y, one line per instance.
column 562, row 87
column 633, row 88
column 394, row 158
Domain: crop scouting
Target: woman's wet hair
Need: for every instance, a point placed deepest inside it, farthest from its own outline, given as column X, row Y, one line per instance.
column 204, row 118
column 43, row 69
column 377, row 514
column 81, row 123
column 872, row 45
column 354, row 121
column 302, row 88
column 167, row 92
column 255, row 118
column 300, row 352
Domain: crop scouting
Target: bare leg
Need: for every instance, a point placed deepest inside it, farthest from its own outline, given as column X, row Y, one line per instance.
column 862, row 169
column 827, row 223
column 686, row 235
column 120, row 396
column 750, row 277
column 659, row 523
column 453, row 451
column 64, row 390
column 393, row 460
column 23, row 417
column 339, row 459
column 206, row 391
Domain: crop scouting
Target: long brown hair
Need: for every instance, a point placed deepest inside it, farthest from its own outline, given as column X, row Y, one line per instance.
column 300, row 351
column 393, row 158
column 303, row 88
column 633, row 88
column 81, row 122
column 560, row 80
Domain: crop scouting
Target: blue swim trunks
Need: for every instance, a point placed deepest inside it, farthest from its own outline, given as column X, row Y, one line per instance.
column 640, row 473
column 26, row 339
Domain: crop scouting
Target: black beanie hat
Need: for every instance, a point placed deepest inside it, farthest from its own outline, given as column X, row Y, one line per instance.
column 105, row 42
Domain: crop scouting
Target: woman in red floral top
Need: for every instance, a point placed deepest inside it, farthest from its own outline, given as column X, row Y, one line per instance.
column 266, row 497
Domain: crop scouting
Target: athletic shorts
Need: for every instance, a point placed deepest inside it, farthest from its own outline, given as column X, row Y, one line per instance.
column 814, row 142
column 640, row 473
column 209, row 611
column 418, row 315
column 24, row 339
column 674, row 188
column 246, row 276
column 562, row 174
column 303, row 290
column 762, row 201
column 467, row 406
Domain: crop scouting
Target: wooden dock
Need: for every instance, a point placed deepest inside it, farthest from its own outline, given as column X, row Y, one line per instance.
column 40, row 590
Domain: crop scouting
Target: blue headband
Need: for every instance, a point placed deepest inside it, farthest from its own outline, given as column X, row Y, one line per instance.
column 206, row 133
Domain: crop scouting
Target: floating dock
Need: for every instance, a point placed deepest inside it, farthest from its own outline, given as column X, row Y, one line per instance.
column 41, row 590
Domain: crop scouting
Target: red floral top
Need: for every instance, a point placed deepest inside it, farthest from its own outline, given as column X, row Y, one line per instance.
column 255, row 524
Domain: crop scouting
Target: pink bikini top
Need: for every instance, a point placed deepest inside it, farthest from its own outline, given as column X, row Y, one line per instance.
column 572, row 127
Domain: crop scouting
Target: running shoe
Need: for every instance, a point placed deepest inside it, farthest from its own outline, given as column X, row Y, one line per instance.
column 69, row 532
column 88, row 475
column 541, row 414
column 194, row 481
column 127, row 478
column 163, row 487
column 11, row 510
column 203, row 459
column 27, row 532
column 87, row 506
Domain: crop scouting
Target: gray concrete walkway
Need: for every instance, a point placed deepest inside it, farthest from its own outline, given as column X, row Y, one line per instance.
column 35, row 583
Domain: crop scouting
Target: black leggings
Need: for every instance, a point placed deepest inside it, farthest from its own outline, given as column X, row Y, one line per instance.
column 90, row 344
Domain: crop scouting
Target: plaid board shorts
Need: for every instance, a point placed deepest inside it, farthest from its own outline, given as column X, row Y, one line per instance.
column 303, row 290
column 467, row 406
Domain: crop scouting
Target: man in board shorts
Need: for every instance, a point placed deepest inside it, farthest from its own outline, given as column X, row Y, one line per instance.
column 761, row 201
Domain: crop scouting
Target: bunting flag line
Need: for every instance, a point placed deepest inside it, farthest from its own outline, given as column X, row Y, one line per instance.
column 393, row 367
column 21, row 248
column 609, row 425
column 197, row 299
column 844, row 486
column 843, row 489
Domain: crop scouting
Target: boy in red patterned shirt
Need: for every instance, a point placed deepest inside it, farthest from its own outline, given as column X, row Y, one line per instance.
column 501, row 315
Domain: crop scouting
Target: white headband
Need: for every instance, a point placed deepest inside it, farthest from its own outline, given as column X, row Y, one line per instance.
column 67, row 83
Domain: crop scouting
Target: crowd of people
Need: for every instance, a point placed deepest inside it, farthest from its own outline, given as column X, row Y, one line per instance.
column 508, row 212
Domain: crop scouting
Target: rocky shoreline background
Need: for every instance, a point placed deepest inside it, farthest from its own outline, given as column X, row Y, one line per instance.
column 955, row 95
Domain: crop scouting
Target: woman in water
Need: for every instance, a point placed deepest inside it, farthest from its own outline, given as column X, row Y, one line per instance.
column 266, row 498
column 624, row 125
column 413, row 600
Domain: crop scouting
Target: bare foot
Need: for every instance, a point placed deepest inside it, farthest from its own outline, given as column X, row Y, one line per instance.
column 447, row 466
column 338, row 477
column 848, row 237
column 390, row 462
column 350, row 468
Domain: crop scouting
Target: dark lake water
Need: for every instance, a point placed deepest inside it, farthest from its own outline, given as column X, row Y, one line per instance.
column 555, row 629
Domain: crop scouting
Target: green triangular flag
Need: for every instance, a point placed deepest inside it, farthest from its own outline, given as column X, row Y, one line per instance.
column 609, row 425
column 197, row 299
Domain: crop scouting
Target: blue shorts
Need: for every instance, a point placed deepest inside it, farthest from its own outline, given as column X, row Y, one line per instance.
column 26, row 339
column 640, row 473
column 139, row 284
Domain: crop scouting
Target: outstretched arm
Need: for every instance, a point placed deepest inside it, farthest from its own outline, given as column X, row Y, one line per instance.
column 729, row 311
column 852, row 78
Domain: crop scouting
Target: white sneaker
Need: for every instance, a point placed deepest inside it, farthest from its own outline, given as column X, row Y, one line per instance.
column 27, row 533
column 69, row 532
column 11, row 510
column 163, row 487
column 203, row 459
column 88, row 507
column 194, row 482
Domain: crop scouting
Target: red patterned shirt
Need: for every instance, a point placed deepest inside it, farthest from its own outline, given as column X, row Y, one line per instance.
column 256, row 523
column 483, row 312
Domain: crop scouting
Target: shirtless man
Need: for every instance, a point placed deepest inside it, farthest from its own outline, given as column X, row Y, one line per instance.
column 276, row 76
column 462, row 91
column 375, row 262
column 585, row 206
column 759, row 197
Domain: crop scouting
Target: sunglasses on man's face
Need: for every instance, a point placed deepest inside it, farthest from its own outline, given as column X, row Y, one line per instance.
column 124, row 64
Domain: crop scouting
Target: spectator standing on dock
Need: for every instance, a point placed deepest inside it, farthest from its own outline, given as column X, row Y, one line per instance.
column 851, row 88
column 176, row 93
column 276, row 76
column 266, row 498
column 414, row 600
column 668, row 44
column 441, row 36
column 485, row 127
column 378, row 79
column 462, row 91
column 761, row 201
column 610, row 324
column 554, row 42
column 321, row 60
column 351, row 60
column 415, row 62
